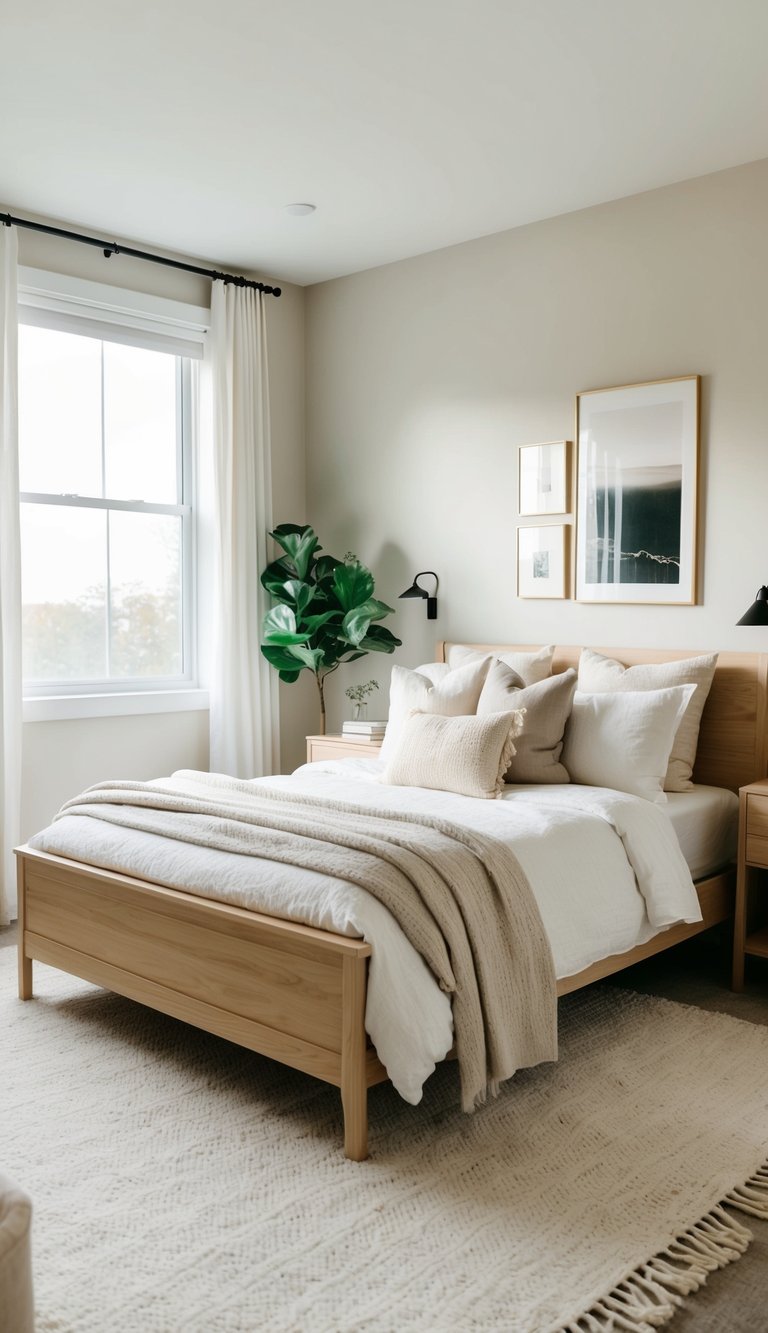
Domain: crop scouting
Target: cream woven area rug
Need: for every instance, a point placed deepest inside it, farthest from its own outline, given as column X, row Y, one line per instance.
column 183, row 1184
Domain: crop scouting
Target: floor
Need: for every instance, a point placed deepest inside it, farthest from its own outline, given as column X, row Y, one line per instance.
column 734, row 1300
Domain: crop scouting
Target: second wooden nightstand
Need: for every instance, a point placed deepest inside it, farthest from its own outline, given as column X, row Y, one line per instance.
column 338, row 747
column 752, row 865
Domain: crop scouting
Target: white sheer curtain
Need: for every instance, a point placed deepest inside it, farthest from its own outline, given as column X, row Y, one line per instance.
column 244, row 711
column 10, row 580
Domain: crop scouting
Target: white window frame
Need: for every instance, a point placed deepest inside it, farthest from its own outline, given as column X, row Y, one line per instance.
column 56, row 301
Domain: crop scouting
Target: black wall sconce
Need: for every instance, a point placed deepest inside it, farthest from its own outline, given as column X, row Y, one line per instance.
column 416, row 591
column 757, row 613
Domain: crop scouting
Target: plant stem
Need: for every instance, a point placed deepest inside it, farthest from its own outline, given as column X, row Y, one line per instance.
column 319, row 680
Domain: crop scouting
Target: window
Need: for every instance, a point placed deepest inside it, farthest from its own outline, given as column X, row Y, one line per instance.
column 105, row 471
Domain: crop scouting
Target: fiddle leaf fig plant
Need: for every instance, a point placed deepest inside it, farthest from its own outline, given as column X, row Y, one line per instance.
column 324, row 610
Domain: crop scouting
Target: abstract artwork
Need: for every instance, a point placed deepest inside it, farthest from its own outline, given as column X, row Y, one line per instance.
column 637, row 492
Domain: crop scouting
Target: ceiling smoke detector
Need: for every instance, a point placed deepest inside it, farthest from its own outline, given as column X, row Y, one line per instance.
column 300, row 210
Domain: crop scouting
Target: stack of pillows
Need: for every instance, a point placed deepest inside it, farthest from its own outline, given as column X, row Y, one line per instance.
column 478, row 721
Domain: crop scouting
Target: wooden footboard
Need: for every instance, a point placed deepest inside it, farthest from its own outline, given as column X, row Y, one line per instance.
column 288, row 991
column 717, row 896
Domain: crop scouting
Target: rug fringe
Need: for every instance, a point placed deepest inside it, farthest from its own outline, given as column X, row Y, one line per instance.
column 753, row 1196
column 647, row 1298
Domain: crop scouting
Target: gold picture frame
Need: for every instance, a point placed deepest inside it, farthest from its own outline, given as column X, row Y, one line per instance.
column 543, row 479
column 542, row 560
column 637, row 492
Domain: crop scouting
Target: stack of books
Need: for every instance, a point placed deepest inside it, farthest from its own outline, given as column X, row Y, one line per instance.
column 362, row 729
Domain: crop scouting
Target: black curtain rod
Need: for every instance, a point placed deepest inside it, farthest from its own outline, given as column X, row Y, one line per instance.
column 110, row 248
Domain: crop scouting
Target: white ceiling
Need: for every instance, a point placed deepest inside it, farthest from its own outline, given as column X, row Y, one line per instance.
column 411, row 124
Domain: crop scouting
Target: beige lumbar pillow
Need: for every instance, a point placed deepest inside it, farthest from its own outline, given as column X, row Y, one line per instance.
column 466, row 755
column 530, row 667
column 598, row 674
column 547, row 707
column 454, row 693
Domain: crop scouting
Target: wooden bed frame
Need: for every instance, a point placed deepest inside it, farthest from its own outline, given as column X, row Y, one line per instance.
column 295, row 993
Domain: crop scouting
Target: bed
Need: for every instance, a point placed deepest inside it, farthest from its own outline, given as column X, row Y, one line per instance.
column 297, row 993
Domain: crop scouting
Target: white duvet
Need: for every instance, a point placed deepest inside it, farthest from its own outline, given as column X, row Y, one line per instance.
column 606, row 870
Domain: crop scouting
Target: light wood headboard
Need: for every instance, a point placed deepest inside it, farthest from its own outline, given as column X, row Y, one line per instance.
column 733, row 742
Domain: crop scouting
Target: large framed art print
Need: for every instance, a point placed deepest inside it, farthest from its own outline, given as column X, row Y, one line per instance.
column 637, row 492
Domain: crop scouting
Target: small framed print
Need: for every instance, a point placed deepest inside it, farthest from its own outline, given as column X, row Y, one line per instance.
column 543, row 480
column 541, row 561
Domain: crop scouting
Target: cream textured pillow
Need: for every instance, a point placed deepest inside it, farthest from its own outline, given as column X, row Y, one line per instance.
column 457, row 692
column 466, row 755
column 547, row 707
column 530, row 667
column 598, row 673
column 622, row 740
column 434, row 671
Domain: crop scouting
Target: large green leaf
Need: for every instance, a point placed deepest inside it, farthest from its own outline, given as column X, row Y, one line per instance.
column 281, row 660
column 324, row 567
column 279, row 627
column 353, row 584
column 311, row 657
column 275, row 576
column 284, row 529
column 311, row 624
column 379, row 609
column 379, row 640
column 300, row 594
column 299, row 547
column 355, row 623
column 352, row 657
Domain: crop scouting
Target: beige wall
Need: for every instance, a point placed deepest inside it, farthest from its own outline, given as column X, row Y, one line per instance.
column 63, row 758
column 424, row 377
column 60, row 758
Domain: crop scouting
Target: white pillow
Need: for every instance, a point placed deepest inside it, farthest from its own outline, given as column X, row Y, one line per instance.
column 530, row 667
column 598, row 673
column 622, row 740
column 456, row 693
column 434, row 671
column 466, row 755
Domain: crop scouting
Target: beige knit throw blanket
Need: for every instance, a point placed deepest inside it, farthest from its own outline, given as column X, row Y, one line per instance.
column 461, row 898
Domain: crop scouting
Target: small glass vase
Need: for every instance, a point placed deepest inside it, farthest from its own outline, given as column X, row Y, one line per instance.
column 359, row 711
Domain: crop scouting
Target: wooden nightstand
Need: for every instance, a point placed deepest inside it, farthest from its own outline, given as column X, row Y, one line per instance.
column 752, row 867
column 338, row 747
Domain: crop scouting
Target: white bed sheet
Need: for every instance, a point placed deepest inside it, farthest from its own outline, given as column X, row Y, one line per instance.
column 706, row 821
column 572, row 841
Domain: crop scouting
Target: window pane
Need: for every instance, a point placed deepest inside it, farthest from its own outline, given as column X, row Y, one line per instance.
column 139, row 424
column 63, row 590
column 59, row 412
column 145, row 560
